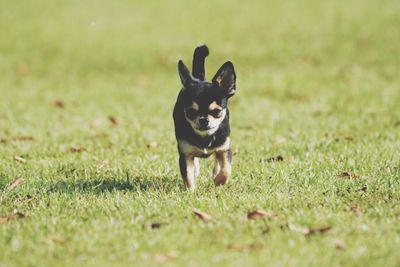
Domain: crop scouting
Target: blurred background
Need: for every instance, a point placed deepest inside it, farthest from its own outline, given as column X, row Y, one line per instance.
column 70, row 69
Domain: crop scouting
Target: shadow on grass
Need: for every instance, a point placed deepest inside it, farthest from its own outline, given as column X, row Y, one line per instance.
column 101, row 185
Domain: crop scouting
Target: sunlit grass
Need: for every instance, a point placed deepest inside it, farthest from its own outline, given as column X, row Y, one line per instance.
column 87, row 86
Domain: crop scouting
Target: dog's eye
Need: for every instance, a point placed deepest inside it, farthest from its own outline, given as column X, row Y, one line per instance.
column 191, row 113
column 216, row 113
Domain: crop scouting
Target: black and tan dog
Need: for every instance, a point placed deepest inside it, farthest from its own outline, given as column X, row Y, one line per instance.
column 201, row 118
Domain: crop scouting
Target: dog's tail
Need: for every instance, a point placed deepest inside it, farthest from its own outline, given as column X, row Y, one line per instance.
column 199, row 55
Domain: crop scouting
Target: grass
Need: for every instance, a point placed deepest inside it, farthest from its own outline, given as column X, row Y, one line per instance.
column 318, row 84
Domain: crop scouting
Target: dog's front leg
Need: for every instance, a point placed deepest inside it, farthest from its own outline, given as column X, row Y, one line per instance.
column 196, row 167
column 216, row 168
column 224, row 159
column 187, row 166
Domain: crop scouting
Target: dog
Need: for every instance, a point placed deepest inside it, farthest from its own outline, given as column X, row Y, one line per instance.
column 201, row 119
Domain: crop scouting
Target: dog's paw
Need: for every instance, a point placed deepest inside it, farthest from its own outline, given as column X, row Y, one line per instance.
column 221, row 178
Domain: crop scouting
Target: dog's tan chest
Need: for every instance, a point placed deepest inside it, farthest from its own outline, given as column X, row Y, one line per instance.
column 191, row 150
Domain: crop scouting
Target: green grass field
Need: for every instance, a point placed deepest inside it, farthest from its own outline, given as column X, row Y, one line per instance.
column 86, row 96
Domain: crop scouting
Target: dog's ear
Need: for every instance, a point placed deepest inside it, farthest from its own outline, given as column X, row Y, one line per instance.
column 226, row 78
column 184, row 74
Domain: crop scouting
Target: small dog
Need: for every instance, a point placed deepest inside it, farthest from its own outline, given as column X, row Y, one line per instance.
column 201, row 118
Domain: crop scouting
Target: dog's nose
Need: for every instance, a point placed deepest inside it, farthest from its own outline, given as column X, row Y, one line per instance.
column 203, row 122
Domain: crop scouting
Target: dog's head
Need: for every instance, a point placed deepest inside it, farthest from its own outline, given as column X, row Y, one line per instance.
column 205, row 103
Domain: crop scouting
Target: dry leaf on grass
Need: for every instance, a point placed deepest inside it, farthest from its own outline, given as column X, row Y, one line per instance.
column 355, row 210
column 55, row 239
column 244, row 247
column 258, row 214
column 276, row 158
column 202, row 215
column 320, row 230
column 29, row 198
column 77, row 149
column 339, row 245
column 349, row 175
column 152, row 144
column 266, row 230
column 309, row 231
column 346, row 138
column 59, row 103
column 363, row 189
column 349, row 138
column 157, row 225
column 17, row 138
column 22, row 138
column 20, row 159
column 16, row 183
column 11, row 217
column 114, row 121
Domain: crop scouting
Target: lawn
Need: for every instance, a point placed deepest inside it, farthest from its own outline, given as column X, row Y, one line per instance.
column 88, row 163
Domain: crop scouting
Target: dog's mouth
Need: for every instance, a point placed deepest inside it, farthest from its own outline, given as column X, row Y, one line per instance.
column 206, row 128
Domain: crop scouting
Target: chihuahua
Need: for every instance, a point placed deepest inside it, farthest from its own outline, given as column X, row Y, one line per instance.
column 201, row 119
